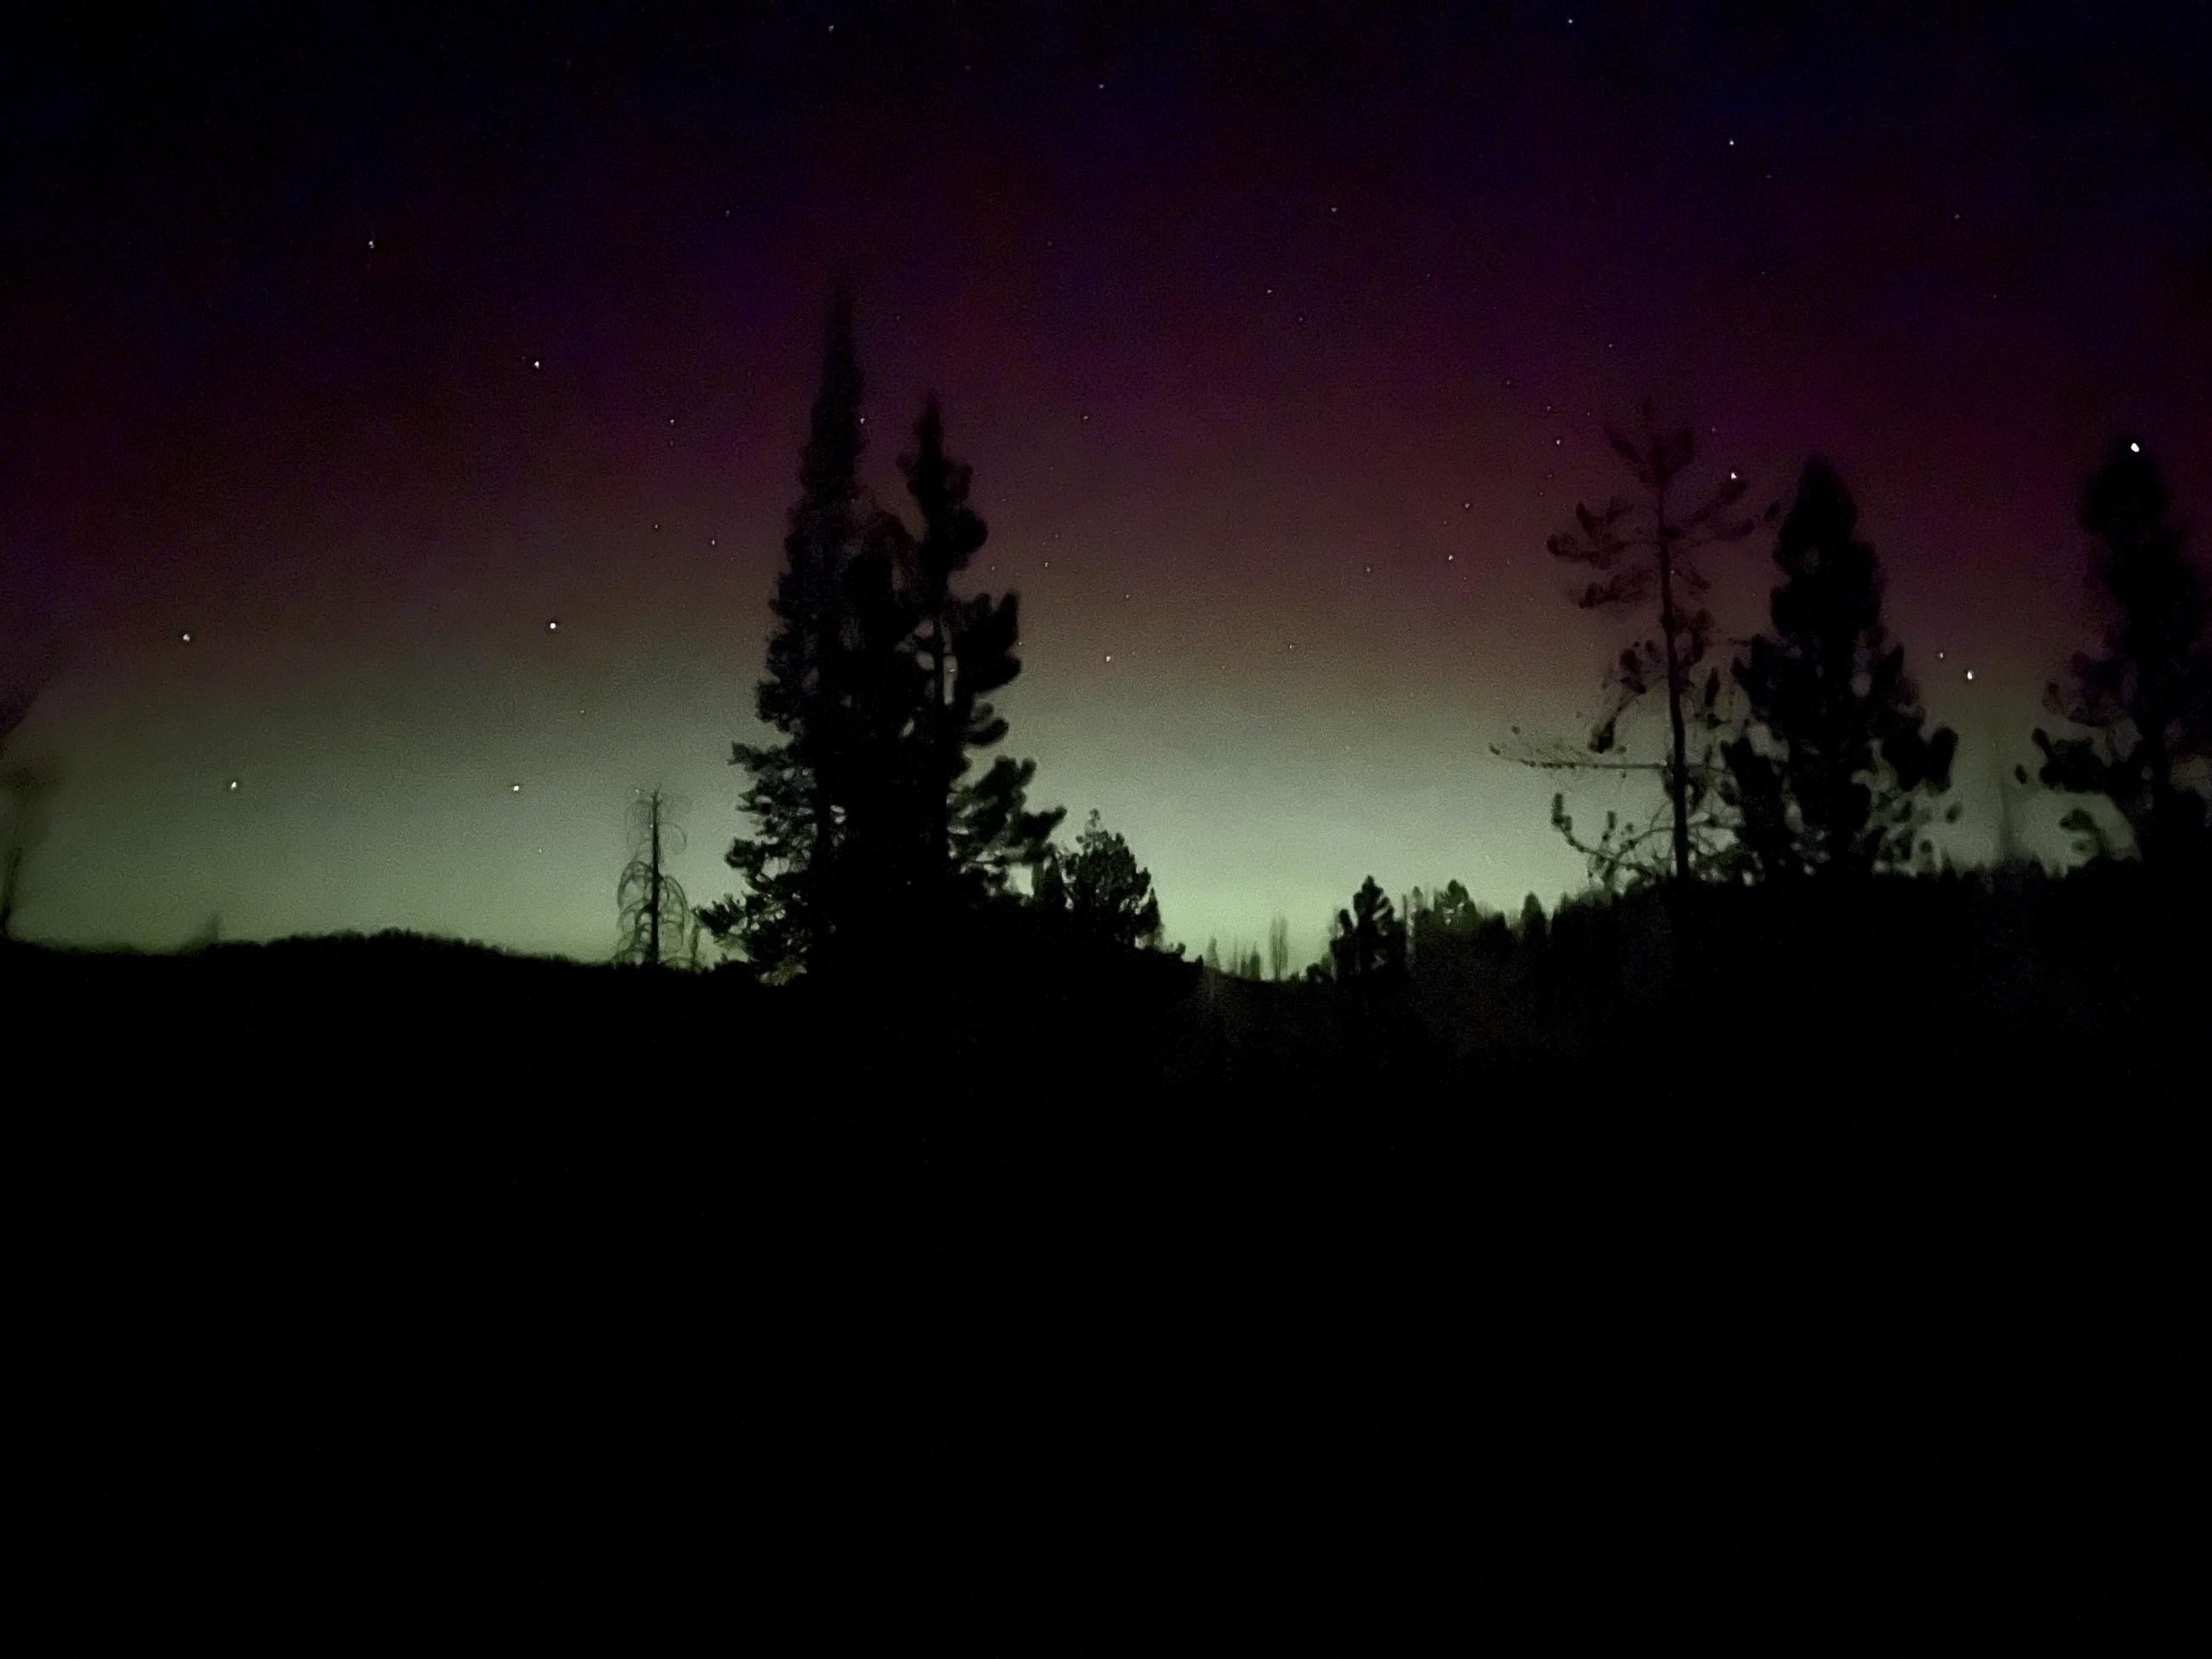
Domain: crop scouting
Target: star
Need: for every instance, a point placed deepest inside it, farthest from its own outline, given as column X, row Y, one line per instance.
column 372, row 245
column 186, row 637
column 233, row 786
column 1970, row 675
column 513, row 788
column 1110, row 656
column 538, row 362
column 2135, row 448
column 553, row 626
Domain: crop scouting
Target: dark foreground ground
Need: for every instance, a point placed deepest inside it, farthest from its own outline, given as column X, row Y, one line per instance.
column 376, row 1283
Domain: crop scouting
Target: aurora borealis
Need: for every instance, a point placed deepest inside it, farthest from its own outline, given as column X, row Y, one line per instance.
column 362, row 348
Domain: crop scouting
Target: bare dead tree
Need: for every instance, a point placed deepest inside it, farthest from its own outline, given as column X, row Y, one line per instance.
column 652, row 903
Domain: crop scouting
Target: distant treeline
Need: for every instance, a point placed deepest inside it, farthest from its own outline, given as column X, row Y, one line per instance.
column 1806, row 757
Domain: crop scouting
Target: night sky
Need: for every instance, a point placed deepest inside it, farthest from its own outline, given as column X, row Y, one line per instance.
column 361, row 345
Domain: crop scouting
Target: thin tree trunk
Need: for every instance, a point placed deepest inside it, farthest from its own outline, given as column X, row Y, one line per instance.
column 653, row 926
column 1678, row 777
column 940, row 787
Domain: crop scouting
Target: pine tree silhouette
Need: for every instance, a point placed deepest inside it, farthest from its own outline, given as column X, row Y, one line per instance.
column 1107, row 893
column 1834, row 771
column 867, row 825
column 2145, row 704
column 784, row 915
column 1368, row 943
column 979, row 830
column 1645, row 548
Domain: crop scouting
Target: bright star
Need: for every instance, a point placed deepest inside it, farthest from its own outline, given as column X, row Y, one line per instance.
column 2135, row 449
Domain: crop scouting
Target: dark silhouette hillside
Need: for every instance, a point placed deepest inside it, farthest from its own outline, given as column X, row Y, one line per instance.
column 1758, row 1225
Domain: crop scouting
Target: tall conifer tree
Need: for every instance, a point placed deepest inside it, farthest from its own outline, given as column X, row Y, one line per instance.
column 784, row 915
column 2143, row 708
column 1834, row 772
column 973, row 830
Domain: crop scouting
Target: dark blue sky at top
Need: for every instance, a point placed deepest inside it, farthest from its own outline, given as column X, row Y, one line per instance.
column 1284, row 331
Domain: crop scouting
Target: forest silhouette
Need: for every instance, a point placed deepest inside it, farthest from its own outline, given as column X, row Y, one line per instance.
column 921, row 1140
column 894, row 876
